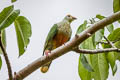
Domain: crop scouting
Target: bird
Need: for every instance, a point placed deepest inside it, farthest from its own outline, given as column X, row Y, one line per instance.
column 58, row 35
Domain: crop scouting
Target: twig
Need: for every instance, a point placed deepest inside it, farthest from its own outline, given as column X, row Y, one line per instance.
column 103, row 42
column 97, row 51
column 6, row 58
column 111, row 44
column 68, row 46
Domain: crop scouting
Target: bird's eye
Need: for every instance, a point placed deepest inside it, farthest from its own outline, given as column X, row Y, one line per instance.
column 68, row 15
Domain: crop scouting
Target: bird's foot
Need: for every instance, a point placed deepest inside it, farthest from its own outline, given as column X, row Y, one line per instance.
column 47, row 53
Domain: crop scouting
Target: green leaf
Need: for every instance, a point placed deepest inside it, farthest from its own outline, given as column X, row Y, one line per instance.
column 0, row 62
column 116, row 6
column 110, row 28
column 117, row 44
column 99, row 35
column 83, row 69
column 83, row 73
column 85, row 63
column 7, row 17
column 100, row 16
column 115, row 35
column 82, row 27
column 100, row 66
column 3, row 39
column 111, row 58
column 13, row 1
column 23, row 32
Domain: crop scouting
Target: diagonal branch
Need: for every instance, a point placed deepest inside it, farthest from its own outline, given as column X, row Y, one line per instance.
column 67, row 47
column 97, row 51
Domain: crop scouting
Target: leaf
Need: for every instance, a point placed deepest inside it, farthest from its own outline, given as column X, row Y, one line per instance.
column 116, row 6
column 100, row 16
column 86, row 60
column 3, row 39
column 23, row 32
column 85, row 63
column 99, row 35
column 110, row 28
column 83, row 73
column 0, row 62
column 82, row 27
column 100, row 66
column 13, row 1
column 115, row 35
column 7, row 16
column 111, row 58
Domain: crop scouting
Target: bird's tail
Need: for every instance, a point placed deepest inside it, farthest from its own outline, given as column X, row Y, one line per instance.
column 45, row 67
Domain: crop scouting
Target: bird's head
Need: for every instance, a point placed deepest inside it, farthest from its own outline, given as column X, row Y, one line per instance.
column 70, row 18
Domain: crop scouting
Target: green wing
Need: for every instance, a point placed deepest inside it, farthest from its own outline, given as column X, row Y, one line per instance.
column 50, row 36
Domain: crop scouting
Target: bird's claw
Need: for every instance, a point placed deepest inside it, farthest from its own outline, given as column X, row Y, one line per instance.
column 47, row 52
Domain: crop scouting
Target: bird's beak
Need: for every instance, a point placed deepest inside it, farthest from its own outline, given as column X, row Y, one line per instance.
column 74, row 18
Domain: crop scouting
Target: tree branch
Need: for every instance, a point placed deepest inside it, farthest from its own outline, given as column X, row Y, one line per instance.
column 68, row 46
column 6, row 58
column 97, row 51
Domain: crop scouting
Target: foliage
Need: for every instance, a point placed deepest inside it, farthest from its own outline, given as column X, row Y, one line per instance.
column 23, row 32
column 22, row 26
column 99, row 62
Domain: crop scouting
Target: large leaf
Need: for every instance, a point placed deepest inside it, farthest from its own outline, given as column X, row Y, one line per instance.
column 116, row 6
column 0, row 62
column 85, row 61
column 7, row 17
column 23, row 31
column 112, row 58
column 100, row 67
column 3, row 39
column 82, row 27
column 115, row 35
column 83, row 73
column 99, row 35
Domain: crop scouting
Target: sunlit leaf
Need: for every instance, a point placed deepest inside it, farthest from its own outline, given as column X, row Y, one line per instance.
column 82, row 27
column 0, row 62
column 99, row 35
column 7, row 17
column 115, row 35
column 100, row 66
column 110, row 28
column 23, row 31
